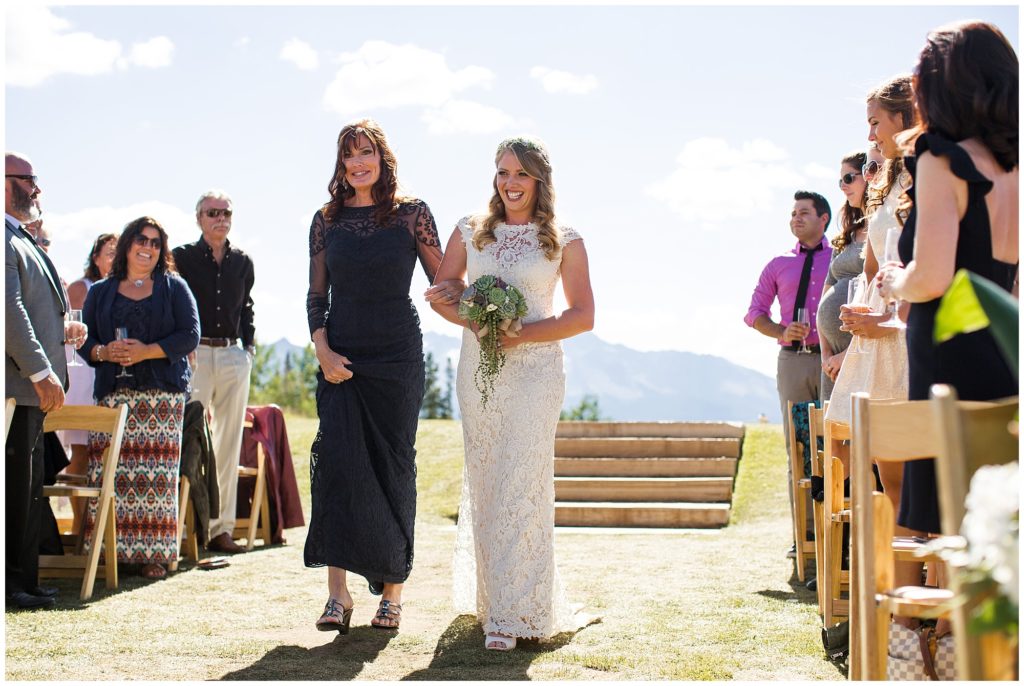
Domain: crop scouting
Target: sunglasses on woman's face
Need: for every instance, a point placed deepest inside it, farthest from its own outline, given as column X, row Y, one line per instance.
column 144, row 241
column 869, row 169
column 847, row 179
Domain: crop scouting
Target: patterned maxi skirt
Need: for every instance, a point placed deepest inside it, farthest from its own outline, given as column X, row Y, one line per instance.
column 146, row 480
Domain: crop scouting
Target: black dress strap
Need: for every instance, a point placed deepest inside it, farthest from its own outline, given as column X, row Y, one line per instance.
column 960, row 162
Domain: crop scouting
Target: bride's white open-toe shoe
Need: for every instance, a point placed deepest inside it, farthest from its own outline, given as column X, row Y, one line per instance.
column 499, row 642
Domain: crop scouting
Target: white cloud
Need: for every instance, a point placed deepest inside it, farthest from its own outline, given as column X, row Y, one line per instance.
column 40, row 45
column 464, row 116
column 380, row 75
column 715, row 182
column 819, row 171
column 555, row 81
column 154, row 53
column 300, row 53
column 241, row 42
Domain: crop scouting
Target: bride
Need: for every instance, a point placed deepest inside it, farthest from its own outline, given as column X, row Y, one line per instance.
column 504, row 566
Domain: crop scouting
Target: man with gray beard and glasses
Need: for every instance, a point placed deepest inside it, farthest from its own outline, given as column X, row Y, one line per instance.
column 35, row 375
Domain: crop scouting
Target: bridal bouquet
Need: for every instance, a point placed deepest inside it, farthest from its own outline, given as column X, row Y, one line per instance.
column 494, row 306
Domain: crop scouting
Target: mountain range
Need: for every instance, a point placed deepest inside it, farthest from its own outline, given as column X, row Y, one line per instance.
column 632, row 385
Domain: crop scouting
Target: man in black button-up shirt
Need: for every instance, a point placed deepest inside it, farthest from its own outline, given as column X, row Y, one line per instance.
column 221, row 278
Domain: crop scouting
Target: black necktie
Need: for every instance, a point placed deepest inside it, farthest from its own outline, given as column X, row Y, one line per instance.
column 805, row 282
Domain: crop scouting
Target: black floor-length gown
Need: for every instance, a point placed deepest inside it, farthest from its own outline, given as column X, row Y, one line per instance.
column 970, row 363
column 363, row 459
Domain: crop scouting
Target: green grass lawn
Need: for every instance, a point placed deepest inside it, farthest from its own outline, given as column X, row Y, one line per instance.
column 687, row 605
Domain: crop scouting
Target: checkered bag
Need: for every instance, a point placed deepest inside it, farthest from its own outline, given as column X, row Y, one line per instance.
column 918, row 655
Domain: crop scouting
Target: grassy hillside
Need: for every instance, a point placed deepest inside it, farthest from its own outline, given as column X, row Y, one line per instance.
column 680, row 605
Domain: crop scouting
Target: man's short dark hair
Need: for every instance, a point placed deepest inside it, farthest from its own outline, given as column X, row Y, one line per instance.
column 820, row 204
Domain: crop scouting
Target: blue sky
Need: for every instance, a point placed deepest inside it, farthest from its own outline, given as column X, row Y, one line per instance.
column 678, row 134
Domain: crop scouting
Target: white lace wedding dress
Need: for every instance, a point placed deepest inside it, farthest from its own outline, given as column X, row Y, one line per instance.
column 504, row 567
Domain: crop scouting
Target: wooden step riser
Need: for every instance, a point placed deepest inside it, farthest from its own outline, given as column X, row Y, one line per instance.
column 701, row 490
column 647, row 447
column 645, row 466
column 650, row 429
column 649, row 516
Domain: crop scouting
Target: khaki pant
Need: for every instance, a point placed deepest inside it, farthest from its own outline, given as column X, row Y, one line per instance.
column 221, row 384
column 798, row 379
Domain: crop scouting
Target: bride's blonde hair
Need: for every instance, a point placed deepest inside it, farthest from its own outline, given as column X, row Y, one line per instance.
column 533, row 156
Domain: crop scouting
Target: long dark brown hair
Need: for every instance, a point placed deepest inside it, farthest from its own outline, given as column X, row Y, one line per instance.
column 851, row 218
column 385, row 191
column 164, row 263
column 967, row 85
column 92, row 272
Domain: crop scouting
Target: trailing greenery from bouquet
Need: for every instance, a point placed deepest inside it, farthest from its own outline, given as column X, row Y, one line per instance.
column 495, row 307
column 986, row 553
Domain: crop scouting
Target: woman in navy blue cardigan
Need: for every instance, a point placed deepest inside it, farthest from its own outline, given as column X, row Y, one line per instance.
column 148, row 371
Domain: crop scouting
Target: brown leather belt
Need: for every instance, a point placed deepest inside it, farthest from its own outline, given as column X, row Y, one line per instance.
column 218, row 342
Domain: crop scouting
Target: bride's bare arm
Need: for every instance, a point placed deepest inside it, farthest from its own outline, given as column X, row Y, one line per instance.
column 452, row 269
column 578, row 317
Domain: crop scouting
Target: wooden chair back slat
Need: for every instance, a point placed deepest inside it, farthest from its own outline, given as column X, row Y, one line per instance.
column 971, row 435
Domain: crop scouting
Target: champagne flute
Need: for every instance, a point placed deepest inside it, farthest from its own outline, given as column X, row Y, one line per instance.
column 121, row 333
column 892, row 256
column 856, row 296
column 803, row 316
column 74, row 316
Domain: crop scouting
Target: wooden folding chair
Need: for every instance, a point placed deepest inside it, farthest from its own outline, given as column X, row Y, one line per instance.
column 801, row 487
column 84, row 562
column 186, row 523
column 11, row 404
column 835, row 514
column 816, row 420
column 890, row 431
column 259, row 505
column 971, row 436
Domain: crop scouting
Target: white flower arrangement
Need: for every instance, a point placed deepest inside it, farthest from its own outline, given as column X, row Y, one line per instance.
column 987, row 550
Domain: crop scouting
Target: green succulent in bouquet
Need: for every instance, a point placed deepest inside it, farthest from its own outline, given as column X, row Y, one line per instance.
column 496, row 308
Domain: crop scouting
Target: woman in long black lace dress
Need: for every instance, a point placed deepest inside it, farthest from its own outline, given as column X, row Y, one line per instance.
column 363, row 246
column 966, row 194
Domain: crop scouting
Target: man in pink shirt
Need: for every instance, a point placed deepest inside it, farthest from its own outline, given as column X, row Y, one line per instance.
column 795, row 278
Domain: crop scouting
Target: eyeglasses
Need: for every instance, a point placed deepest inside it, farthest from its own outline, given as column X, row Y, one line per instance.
column 869, row 169
column 32, row 178
column 214, row 213
column 847, row 179
column 142, row 240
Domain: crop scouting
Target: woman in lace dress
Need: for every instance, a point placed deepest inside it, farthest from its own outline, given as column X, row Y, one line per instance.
column 363, row 247
column 504, row 558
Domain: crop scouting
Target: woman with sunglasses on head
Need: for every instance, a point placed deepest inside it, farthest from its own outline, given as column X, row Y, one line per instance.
column 143, row 323
column 363, row 248
column 847, row 264
column 965, row 216
column 877, row 362
column 82, row 377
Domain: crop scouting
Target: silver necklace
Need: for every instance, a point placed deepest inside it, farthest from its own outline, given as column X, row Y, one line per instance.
column 138, row 282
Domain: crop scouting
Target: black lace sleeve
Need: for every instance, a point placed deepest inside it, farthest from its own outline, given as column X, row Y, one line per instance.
column 318, row 296
column 428, row 243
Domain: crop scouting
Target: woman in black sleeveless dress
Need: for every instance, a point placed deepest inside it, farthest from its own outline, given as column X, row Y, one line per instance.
column 967, row 151
column 363, row 247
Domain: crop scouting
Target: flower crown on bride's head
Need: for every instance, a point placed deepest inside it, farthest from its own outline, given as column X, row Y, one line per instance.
column 527, row 142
